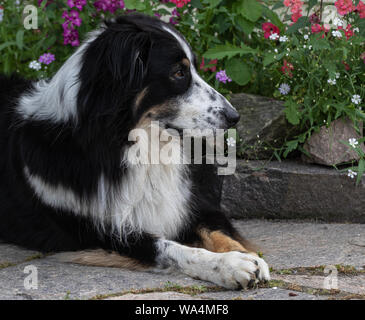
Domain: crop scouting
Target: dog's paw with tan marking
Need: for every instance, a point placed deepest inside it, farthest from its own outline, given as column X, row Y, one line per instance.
column 236, row 269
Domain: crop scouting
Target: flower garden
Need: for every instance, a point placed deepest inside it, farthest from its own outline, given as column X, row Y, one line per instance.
column 309, row 54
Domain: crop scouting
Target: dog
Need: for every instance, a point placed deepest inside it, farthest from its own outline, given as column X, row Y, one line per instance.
column 68, row 186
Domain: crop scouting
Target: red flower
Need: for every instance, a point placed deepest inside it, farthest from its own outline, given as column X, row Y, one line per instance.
column 180, row 3
column 348, row 32
column 213, row 68
column 269, row 29
column 344, row 6
column 287, row 68
column 361, row 9
column 317, row 28
column 347, row 67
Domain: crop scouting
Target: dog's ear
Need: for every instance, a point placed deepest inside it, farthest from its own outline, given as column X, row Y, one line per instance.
column 114, row 67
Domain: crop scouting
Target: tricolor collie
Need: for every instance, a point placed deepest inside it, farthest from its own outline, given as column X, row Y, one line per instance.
column 67, row 184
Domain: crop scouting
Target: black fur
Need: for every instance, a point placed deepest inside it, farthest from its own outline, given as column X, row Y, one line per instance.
column 132, row 52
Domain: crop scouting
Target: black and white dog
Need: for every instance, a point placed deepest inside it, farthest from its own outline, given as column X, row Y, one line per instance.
column 66, row 183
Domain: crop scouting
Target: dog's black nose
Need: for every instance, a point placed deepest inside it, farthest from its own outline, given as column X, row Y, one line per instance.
column 232, row 116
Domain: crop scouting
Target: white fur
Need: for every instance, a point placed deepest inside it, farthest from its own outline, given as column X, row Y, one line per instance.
column 229, row 269
column 55, row 100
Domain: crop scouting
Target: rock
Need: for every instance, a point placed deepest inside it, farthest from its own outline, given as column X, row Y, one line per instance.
column 325, row 147
column 291, row 189
column 262, row 124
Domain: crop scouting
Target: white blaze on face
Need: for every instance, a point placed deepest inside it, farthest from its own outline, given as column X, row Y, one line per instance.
column 202, row 107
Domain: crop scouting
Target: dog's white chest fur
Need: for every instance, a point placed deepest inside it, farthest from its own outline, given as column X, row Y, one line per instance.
column 153, row 198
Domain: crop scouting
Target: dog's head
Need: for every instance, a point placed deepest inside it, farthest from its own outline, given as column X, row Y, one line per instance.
column 147, row 70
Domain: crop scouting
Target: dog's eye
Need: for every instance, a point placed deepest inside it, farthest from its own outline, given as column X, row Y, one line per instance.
column 179, row 74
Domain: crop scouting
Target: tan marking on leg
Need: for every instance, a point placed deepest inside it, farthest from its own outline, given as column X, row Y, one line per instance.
column 140, row 97
column 217, row 241
column 100, row 258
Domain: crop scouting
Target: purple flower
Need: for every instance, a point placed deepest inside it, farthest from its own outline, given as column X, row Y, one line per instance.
column 109, row 5
column 173, row 21
column 222, row 76
column 71, row 19
column 71, row 36
column 47, row 58
column 79, row 4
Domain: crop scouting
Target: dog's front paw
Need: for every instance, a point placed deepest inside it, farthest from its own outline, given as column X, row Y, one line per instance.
column 235, row 269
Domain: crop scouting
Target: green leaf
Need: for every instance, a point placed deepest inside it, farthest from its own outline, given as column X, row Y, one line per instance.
column 291, row 112
column 197, row 4
column 7, row 44
column 250, row 9
column 269, row 59
column 274, row 18
column 301, row 23
column 290, row 146
column 212, row 3
column 134, row 4
column 245, row 25
column 238, row 71
column 360, row 170
column 228, row 51
column 19, row 39
column 320, row 44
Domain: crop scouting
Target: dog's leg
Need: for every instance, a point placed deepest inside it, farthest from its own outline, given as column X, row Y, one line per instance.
column 228, row 269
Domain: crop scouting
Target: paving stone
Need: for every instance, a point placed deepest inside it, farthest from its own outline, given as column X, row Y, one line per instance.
column 169, row 295
column 292, row 190
column 298, row 244
column 14, row 254
column 261, row 294
column 62, row 281
column 351, row 284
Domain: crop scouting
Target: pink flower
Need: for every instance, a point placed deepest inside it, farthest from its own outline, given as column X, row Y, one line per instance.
column 344, row 6
column 287, row 68
column 79, row 4
column 180, row 3
column 295, row 8
column 316, row 28
column 71, row 19
column 71, row 36
column 269, row 29
column 361, row 9
column 213, row 68
column 109, row 5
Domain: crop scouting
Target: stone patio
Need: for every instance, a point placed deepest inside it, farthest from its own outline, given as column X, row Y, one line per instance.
column 301, row 255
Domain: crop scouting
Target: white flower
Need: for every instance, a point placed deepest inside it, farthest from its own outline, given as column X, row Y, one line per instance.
column 306, row 37
column 304, row 46
column 35, row 65
column 351, row 174
column 276, row 50
column 331, row 81
column 337, row 34
column 337, row 75
column 274, row 36
column 1, row 14
column 356, row 99
column 356, row 29
column 283, row 39
column 310, row 47
column 231, row 142
column 353, row 142
column 284, row 89
column 338, row 22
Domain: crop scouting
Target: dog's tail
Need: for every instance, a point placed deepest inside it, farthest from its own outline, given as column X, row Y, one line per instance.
column 99, row 258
